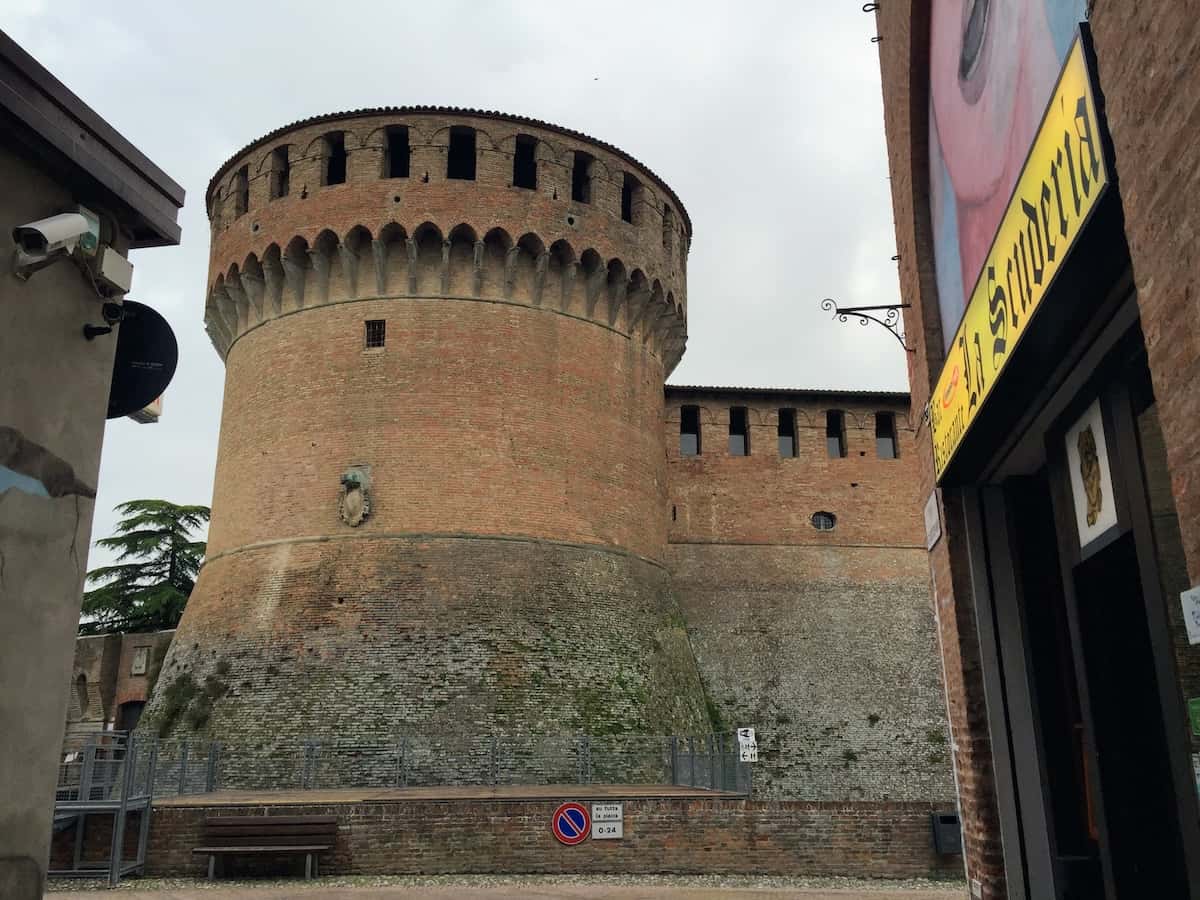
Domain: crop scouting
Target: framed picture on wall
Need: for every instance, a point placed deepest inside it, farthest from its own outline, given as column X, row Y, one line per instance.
column 1091, row 477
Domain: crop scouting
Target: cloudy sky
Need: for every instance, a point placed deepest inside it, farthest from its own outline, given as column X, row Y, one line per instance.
column 764, row 116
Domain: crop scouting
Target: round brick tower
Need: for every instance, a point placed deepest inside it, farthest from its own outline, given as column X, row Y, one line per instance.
column 440, row 489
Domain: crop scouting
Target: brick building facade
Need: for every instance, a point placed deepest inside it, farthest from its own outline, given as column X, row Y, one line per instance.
column 1066, row 661
column 111, row 680
column 450, row 495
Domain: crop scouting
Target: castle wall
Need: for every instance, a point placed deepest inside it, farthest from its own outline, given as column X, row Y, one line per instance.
column 823, row 641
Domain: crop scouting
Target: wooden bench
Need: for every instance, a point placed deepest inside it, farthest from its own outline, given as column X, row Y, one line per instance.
column 277, row 835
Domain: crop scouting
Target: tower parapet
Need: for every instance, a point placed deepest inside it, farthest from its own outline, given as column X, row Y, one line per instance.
column 327, row 210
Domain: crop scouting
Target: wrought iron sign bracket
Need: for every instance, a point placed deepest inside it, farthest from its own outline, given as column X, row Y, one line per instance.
column 887, row 315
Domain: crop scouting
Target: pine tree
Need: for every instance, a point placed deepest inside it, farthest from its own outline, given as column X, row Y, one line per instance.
column 156, row 569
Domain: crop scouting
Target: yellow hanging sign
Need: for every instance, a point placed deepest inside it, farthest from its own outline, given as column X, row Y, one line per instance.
column 1061, row 183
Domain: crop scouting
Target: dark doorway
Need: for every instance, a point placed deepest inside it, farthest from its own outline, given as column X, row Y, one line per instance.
column 1054, row 691
column 1143, row 836
column 129, row 714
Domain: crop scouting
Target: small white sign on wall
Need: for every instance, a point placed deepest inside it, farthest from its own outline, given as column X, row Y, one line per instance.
column 1091, row 478
column 608, row 821
column 933, row 521
column 1191, row 613
column 747, row 745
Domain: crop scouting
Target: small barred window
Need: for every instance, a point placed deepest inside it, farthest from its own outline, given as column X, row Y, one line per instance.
column 376, row 332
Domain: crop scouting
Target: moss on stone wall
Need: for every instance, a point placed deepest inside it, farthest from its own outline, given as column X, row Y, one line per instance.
column 442, row 637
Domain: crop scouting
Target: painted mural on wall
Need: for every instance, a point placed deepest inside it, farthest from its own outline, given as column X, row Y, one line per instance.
column 993, row 65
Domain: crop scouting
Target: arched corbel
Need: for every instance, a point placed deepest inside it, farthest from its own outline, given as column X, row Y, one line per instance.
column 215, row 325
column 273, row 279
column 233, row 288
column 639, row 303
column 296, row 275
column 228, row 311
column 411, row 247
column 570, row 271
column 349, row 266
column 320, row 267
column 252, row 285
column 379, row 255
column 477, row 270
column 595, row 284
column 445, row 279
column 616, row 299
column 541, row 264
column 510, row 270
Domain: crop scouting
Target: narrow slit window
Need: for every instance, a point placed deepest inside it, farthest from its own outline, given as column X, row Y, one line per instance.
column 335, row 158
column 581, row 178
column 396, row 163
column 630, row 189
column 835, row 433
column 689, row 431
column 241, row 191
column 525, row 162
column 739, row 431
column 885, row 435
column 460, row 159
column 376, row 333
column 281, row 173
column 787, row 433
column 668, row 226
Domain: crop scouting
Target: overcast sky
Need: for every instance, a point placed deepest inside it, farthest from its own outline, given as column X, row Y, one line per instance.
column 765, row 117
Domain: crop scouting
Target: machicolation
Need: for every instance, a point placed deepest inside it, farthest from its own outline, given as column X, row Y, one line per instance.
column 426, row 202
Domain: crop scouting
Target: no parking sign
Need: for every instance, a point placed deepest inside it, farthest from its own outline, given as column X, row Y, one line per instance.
column 571, row 824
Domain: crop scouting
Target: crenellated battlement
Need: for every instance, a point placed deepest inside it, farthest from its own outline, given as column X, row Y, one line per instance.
column 398, row 262
column 441, row 203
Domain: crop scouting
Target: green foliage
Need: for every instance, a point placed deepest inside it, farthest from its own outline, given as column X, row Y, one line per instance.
column 176, row 698
column 194, row 702
column 156, row 569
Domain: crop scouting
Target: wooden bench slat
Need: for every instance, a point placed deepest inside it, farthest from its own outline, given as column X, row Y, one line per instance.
column 239, row 831
column 296, row 848
column 216, row 840
column 227, row 821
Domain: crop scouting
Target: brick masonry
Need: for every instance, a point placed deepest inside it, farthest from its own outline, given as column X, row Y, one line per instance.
column 1145, row 54
column 692, row 836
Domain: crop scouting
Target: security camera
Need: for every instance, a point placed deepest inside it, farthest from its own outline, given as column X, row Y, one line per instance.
column 112, row 312
column 48, row 240
column 61, row 232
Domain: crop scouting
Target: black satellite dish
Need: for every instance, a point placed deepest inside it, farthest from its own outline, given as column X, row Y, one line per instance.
column 145, row 363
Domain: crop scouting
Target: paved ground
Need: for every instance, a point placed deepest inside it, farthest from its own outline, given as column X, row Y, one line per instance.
column 615, row 887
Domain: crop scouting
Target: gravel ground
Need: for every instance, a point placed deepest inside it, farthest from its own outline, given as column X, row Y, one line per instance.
column 446, row 887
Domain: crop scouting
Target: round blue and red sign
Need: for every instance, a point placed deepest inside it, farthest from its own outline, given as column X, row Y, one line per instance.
column 571, row 824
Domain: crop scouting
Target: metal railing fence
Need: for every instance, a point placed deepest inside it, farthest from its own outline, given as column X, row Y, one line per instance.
column 423, row 759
